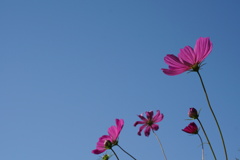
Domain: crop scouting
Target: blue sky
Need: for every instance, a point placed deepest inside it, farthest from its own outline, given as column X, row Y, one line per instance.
column 70, row 68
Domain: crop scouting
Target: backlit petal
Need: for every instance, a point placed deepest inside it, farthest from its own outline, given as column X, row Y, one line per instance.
column 120, row 124
column 140, row 129
column 173, row 72
column 202, row 48
column 155, row 127
column 147, row 131
column 98, row 151
column 138, row 122
column 149, row 115
column 173, row 61
column 113, row 132
column 142, row 117
column 158, row 117
column 187, row 56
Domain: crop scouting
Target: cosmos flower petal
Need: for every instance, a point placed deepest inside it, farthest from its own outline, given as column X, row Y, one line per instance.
column 138, row 122
column 155, row 127
column 173, row 72
column 173, row 61
column 149, row 114
column 103, row 139
column 187, row 56
column 98, row 151
column 120, row 124
column 142, row 117
column 202, row 48
column 147, row 131
column 113, row 132
column 158, row 117
column 140, row 129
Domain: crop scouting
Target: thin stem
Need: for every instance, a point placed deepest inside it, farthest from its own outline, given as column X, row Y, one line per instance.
column 115, row 154
column 126, row 152
column 160, row 145
column 208, row 101
column 202, row 146
column 207, row 139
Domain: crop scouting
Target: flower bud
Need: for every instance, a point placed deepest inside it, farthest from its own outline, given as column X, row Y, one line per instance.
column 106, row 157
column 192, row 113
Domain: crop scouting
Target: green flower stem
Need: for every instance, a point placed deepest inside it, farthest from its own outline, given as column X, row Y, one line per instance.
column 202, row 146
column 126, row 152
column 114, row 153
column 215, row 118
column 207, row 139
column 160, row 145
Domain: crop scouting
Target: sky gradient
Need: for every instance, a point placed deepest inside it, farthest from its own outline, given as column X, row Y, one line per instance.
column 69, row 68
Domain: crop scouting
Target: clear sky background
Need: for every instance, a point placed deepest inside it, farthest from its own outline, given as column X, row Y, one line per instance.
column 69, row 68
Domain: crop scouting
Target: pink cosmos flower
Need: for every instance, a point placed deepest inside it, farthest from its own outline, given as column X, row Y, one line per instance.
column 188, row 58
column 108, row 141
column 191, row 128
column 149, row 123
